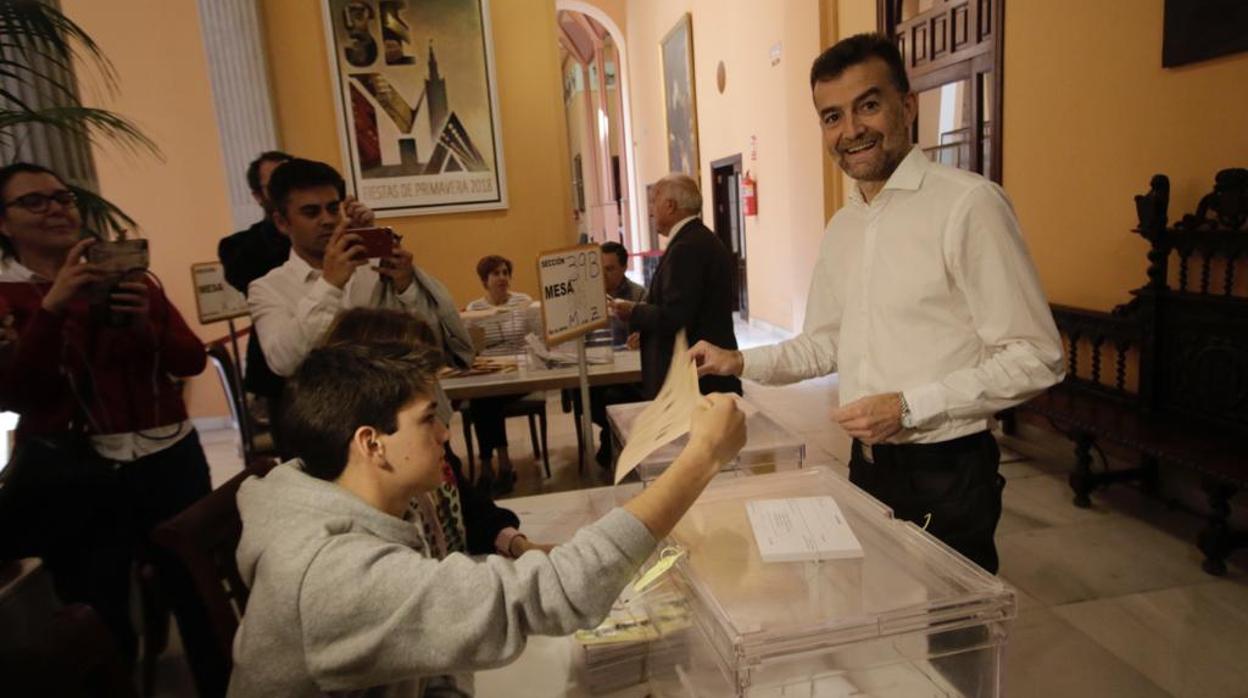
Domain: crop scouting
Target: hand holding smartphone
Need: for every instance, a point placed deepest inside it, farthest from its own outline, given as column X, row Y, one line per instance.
column 378, row 242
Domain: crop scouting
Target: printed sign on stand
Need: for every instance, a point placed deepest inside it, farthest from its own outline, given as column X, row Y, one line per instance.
column 574, row 300
column 215, row 300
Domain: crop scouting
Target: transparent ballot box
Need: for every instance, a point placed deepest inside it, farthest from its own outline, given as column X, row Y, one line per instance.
column 769, row 446
column 905, row 616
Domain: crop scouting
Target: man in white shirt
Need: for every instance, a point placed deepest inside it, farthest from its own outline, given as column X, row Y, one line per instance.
column 328, row 270
column 926, row 302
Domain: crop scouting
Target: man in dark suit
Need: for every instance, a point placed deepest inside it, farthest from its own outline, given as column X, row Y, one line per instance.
column 691, row 289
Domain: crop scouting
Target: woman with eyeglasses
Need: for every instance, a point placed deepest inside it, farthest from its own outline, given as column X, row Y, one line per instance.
column 104, row 448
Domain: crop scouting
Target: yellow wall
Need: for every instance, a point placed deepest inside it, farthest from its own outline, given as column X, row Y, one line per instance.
column 769, row 102
column 181, row 203
column 535, row 148
column 1090, row 116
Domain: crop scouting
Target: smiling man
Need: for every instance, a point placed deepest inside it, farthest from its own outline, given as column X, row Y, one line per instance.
column 328, row 270
column 925, row 301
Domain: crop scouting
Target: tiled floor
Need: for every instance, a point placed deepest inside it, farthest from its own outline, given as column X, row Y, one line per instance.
column 1112, row 601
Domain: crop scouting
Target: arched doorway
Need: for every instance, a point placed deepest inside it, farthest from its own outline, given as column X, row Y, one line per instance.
column 593, row 62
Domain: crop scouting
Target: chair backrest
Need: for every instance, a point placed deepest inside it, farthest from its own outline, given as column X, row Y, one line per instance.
column 205, row 537
column 227, row 371
column 74, row 655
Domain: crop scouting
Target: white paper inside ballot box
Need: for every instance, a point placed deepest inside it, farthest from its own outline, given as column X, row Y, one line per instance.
column 801, row 529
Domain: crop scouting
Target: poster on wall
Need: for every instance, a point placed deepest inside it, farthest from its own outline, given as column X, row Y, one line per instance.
column 417, row 104
column 679, row 100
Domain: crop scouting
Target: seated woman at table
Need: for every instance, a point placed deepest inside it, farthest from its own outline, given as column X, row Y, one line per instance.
column 504, row 334
column 458, row 516
column 345, row 596
column 505, row 330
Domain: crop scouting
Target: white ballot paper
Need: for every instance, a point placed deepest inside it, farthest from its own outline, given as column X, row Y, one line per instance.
column 667, row 417
column 802, row 528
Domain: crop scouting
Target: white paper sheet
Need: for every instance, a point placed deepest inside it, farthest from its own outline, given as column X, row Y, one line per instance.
column 801, row 528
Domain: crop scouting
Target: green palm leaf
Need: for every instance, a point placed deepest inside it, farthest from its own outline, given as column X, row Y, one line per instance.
column 85, row 122
column 99, row 215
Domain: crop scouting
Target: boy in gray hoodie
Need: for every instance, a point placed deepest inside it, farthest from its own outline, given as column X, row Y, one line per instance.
column 345, row 598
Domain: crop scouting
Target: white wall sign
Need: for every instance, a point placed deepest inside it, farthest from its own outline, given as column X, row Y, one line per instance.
column 573, row 298
column 215, row 300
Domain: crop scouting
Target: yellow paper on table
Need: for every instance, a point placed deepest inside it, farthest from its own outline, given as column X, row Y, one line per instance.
column 667, row 417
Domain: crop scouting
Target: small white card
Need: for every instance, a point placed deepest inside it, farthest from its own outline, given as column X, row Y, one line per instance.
column 801, row 528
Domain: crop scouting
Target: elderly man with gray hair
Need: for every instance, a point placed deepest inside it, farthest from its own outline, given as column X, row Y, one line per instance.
column 692, row 288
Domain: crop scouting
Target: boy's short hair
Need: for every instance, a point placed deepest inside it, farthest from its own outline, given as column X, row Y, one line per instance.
column 296, row 174
column 340, row 388
column 860, row 48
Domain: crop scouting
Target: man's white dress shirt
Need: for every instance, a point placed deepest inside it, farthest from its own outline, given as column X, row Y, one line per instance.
column 929, row 291
column 293, row 306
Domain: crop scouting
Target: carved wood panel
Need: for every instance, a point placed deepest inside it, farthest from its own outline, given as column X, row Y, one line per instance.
column 954, row 40
column 1203, row 358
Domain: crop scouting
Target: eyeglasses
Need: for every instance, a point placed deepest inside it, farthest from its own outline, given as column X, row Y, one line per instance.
column 37, row 202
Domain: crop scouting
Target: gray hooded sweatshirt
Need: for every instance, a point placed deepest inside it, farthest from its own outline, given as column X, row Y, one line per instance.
column 344, row 599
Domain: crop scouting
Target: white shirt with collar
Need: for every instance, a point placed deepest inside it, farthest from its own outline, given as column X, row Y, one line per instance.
column 929, row 291
column 293, row 306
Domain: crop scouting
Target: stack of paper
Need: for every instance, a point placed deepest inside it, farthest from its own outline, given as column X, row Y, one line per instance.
column 636, row 639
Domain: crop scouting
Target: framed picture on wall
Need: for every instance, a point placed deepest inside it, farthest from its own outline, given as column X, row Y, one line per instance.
column 417, row 104
column 679, row 99
column 1197, row 30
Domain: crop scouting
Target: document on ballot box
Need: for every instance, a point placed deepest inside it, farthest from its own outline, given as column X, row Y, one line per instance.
column 800, row 529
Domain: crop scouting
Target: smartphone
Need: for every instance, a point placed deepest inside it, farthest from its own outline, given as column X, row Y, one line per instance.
column 380, row 242
column 120, row 260
column 120, row 257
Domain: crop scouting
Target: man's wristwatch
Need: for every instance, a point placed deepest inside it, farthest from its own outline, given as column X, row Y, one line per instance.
column 907, row 419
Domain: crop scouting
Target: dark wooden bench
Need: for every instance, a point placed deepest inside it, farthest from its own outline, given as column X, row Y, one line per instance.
column 1165, row 376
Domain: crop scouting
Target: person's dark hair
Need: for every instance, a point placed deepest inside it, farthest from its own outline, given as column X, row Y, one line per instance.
column 379, row 325
column 491, row 262
column 7, row 173
column 860, row 48
column 296, row 174
column 343, row 387
column 616, row 249
column 253, row 170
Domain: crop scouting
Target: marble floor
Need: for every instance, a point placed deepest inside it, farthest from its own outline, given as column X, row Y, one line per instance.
column 1112, row 600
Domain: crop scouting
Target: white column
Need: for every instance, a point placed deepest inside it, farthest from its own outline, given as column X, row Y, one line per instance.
column 64, row 152
column 238, row 69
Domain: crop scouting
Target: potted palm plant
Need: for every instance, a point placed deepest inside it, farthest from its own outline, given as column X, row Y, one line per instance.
column 39, row 47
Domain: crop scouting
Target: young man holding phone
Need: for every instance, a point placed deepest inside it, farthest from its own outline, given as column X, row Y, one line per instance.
column 328, row 270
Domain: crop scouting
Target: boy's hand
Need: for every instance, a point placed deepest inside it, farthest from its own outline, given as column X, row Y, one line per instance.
column 718, row 425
